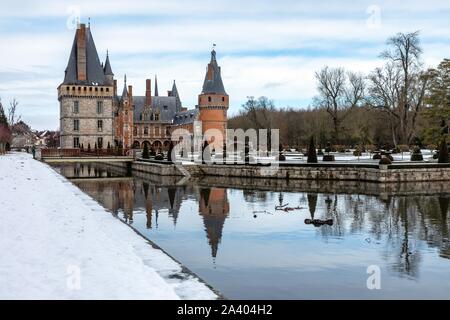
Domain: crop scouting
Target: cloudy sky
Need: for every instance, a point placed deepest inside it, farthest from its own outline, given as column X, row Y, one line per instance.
column 269, row 48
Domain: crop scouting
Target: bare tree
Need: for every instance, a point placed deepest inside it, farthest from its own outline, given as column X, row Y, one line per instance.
column 399, row 87
column 13, row 118
column 259, row 111
column 339, row 93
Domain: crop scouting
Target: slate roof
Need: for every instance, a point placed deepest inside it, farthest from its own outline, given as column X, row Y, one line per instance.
column 108, row 70
column 94, row 71
column 174, row 93
column 165, row 105
column 214, row 84
column 187, row 116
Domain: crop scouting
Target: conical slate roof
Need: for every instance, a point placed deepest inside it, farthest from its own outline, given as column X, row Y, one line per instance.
column 177, row 96
column 125, row 90
column 94, row 71
column 213, row 80
column 108, row 69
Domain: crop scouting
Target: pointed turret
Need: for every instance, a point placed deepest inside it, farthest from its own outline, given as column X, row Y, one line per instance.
column 84, row 65
column 213, row 104
column 213, row 80
column 177, row 96
column 125, row 90
column 156, row 87
column 109, row 75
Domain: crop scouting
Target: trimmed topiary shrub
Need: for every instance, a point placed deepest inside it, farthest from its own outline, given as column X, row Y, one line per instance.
column 416, row 154
column 443, row 152
column 387, row 155
column 145, row 153
column 377, row 156
column 312, row 155
column 328, row 158
column 281, row 156
column 385, row 161
column 169, row 152
column 357, row 152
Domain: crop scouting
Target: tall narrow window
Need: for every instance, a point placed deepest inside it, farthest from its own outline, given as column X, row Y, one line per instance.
column 100, row 125
column 76, row 107
column 157, row 131
column 76, row 125
column 135, row 131
column 76, row 142
column 99, row 107
column 157, row 117
column 146, row 130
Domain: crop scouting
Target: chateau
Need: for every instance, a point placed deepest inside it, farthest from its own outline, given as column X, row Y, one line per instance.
column 93, row 114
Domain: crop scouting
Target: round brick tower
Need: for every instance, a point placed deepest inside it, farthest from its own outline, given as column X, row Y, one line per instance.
column 213, row 104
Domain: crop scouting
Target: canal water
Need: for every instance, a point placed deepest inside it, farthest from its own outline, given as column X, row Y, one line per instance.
column 249, row 239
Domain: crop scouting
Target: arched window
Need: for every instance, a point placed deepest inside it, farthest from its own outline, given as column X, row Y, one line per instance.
column 209, row 99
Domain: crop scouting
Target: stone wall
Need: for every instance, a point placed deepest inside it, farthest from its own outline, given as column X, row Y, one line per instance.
column 156, row 168
column 292, row 185
column 410, row 173
column 87, row 97
column 420, row 172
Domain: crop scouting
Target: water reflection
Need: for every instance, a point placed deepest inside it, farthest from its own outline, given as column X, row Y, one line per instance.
column 404, row 230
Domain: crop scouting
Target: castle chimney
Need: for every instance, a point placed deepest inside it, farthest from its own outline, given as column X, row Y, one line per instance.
column 81, row 53
column 148, row 93
column 130, row 91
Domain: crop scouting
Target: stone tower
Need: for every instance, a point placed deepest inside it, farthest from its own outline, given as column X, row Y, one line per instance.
column 86, row 96
column 213, row 103
column 124, row 118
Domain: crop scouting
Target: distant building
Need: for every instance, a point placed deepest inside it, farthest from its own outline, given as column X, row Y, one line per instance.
column 92, row 113
column 22, row 136
column 5, row 138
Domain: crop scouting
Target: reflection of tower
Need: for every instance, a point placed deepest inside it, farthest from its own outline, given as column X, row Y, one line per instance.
column 173, row 211
column 444, row 206
column 128, row 200
column 148, row 210
column 312, row 203
column 148, row 205
column 214, row 208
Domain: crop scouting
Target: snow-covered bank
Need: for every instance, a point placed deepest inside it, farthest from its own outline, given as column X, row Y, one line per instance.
column 58, row 243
